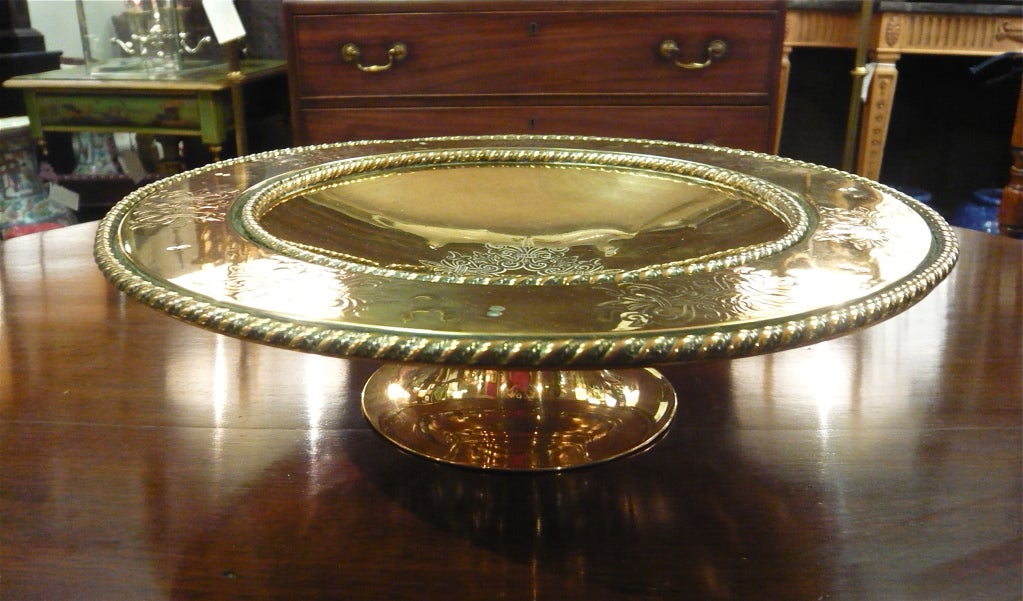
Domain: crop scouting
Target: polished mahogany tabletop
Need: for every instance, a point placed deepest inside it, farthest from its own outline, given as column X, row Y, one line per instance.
column 142, row 458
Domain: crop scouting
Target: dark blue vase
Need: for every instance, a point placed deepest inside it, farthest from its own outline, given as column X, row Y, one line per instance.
column 981, row 212
column 915, row 193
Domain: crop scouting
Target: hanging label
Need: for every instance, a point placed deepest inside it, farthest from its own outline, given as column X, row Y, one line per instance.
column 224, row 20
column 63, row 197
column 865, row 88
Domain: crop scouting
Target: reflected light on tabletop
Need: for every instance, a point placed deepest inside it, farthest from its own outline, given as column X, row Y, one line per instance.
column 155, row 460
column 714, row 538
column 880, row 435
column 904, row 483
column 227, row 398
column 322, row 377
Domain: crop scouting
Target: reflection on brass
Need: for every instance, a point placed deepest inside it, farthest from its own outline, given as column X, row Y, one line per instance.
column 715, row 49
column 866, row 253
column 518, row 419
column 527, row 259
column 523, row 216
column 351, row 54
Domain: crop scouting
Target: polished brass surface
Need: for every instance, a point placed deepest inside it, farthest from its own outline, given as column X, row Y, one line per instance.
column 715, row 49
column 180, row 245
column 352, row 54
column 518, row 419
column 523, row 253
column 417, row 215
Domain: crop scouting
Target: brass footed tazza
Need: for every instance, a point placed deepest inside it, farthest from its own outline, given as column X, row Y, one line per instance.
column 520, row 288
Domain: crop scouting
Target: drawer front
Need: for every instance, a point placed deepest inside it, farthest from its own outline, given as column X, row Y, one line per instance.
column 512, row 52
column 733, row 126
column 119, row 111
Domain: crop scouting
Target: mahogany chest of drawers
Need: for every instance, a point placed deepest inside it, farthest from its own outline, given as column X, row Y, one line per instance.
column 688, row 70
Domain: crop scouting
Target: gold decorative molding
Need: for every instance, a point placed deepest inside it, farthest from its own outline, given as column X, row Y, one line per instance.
column 892, row 30
column 917, row 33
column 820, row 29
column 894, row 34
column 1008, row 31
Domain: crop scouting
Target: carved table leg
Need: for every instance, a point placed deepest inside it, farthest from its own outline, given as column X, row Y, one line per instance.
column 877, row 114
column 1010, row 214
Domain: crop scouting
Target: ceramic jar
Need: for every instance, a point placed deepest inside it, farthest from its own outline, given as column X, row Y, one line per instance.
column 26, row 206
column 95, row 154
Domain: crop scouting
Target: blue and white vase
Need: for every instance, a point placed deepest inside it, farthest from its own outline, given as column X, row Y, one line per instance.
column 95, row 154
column 25, row 206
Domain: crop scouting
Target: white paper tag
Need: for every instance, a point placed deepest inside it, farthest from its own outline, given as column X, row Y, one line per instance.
column 131, row 164
column 124, row 142
column 224, row 20
column 865, row 88
column 64, row 197
column 128, row 156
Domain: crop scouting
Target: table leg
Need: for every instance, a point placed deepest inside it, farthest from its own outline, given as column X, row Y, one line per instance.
column 783, row 90
column 241, row 137
column 877, row 113
column 1010, row 214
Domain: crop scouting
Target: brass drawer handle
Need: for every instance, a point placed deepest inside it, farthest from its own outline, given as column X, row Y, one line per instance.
column 351, row 53
column 716, row 49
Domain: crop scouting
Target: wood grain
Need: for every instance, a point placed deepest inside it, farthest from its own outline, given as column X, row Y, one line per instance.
column 589, row 67
column 143, row 458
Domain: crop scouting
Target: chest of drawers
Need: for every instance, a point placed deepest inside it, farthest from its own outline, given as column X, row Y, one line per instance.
column 686, row 70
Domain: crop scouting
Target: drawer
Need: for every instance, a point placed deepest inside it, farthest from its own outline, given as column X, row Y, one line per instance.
column 534, row 52
column 733, row 126
column 120, row 112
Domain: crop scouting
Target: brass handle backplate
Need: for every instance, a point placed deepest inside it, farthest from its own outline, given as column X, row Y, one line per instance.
column 351, row 53
column 715, row 49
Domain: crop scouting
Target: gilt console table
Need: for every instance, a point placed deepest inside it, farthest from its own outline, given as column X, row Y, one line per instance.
column 897, row 28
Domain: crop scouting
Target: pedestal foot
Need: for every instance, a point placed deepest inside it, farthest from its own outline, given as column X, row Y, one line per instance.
column 526, row 420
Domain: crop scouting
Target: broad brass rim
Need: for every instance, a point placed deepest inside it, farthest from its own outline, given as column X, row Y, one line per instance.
column 854, row 221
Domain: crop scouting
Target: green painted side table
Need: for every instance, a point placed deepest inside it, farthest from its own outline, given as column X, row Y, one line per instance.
column 202, row 102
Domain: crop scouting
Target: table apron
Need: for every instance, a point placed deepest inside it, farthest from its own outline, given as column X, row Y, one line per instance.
column 204, row 114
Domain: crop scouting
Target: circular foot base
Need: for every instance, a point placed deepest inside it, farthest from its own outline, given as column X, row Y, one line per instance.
column 528, row 420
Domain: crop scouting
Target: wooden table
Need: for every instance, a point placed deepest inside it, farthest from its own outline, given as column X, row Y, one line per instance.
column 143, row 458
column 202, row 103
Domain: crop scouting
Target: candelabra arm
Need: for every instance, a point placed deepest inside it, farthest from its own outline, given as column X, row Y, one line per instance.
column 194, row 49
column 128, row 47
